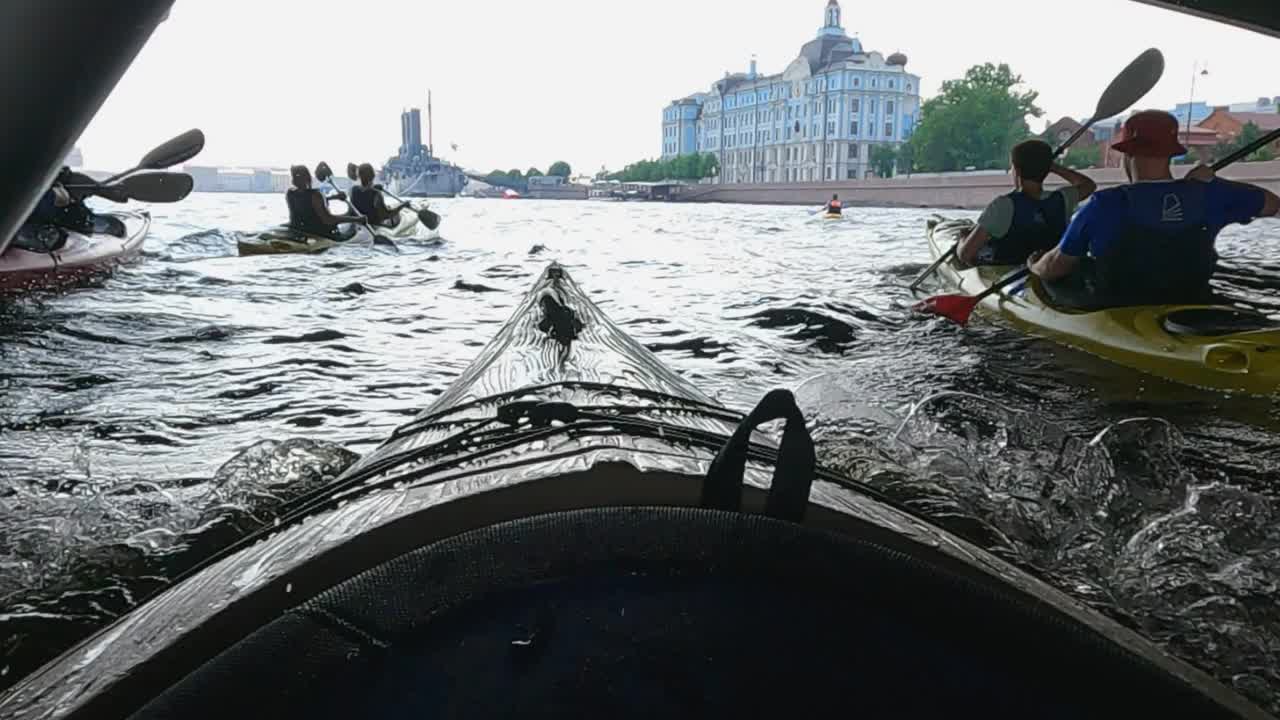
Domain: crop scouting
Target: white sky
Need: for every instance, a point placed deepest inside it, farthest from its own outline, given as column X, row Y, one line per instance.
column 517, row 83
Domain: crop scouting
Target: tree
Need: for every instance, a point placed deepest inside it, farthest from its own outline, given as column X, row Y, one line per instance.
column 1083, row 157
column 560, row 168
column 709, row 166
column 883, row 158
column 514, row 175
column 906, row 158
column 532, row 172
column 1249, row 133
column 974, row 121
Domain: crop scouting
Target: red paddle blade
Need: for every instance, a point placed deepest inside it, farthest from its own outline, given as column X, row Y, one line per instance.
column 956, row 308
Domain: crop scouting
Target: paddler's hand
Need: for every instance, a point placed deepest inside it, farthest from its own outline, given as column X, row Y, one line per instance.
column 1034, row 258
column 61, row 198
column 1202, row 173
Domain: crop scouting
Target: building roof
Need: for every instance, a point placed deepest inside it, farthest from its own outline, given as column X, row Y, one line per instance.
column 1264, row 121
column 826, row 50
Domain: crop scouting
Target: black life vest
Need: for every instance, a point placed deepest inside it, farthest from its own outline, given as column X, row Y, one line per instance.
column 1151, row 265
column 365, row 201
column 1037, row 226
column 302, row 213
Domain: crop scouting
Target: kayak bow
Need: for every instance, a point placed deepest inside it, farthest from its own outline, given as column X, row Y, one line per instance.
column 572, row 530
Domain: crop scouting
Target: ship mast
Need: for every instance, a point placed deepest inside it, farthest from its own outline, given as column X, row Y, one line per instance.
column 431, row 146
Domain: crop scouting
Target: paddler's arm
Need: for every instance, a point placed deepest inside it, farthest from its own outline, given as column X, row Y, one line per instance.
column 1240, row 199
column 1083, row 184
column 1089, row 224
column 326, row 217
column 995, row 221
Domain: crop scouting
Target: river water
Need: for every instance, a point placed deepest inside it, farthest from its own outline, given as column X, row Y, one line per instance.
column 121, row 404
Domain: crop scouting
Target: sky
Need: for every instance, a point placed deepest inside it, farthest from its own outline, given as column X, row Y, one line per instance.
column 517, row 84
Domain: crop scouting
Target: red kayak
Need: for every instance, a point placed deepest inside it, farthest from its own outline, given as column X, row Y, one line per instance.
column 47, row 256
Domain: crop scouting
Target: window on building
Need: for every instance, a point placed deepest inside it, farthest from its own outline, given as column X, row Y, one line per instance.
column 853, row 128
column 857, row 82
column 875, row 82
column 816, row 129
column 888, row 106
column 831, row 127
column 855, row 106
column 853, row 174
column 908, row 86
column 871, row 105
column 888, row 129
column 853, row 151
column 828, row 172
column 892, row 84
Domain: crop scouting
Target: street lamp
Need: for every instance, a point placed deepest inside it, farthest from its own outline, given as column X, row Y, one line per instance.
column 1197, row 69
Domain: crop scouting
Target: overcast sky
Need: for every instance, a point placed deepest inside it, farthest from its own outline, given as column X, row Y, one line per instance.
column 519, row 83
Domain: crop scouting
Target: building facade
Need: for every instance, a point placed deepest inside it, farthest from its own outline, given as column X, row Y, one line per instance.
column 819, row 119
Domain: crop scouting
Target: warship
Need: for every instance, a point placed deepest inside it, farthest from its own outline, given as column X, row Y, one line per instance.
column 416, row 171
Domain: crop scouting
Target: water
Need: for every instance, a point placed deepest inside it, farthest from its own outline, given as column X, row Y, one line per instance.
column 121, row 403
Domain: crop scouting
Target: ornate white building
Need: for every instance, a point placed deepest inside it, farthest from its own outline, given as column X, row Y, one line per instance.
column 818, row 119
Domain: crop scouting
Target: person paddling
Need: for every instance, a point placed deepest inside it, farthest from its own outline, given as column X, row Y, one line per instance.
column 834, row 206
column 308, row 210
column 1151, row 241
column 1027, row 220
column 367, row 200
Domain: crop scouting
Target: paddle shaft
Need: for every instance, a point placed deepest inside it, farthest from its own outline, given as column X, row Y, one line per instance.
column 1243, row 152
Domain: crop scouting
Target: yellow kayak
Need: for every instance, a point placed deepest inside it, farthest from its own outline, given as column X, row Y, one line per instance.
column 1209, row 346
column 284, row 239
column 832, row 216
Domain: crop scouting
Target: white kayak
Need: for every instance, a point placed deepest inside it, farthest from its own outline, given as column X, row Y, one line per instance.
column 48, row 256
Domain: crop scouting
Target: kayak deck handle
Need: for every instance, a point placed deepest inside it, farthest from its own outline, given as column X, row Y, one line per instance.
column 793, row 471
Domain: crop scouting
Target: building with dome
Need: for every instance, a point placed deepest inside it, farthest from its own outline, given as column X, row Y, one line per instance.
column 817, row 120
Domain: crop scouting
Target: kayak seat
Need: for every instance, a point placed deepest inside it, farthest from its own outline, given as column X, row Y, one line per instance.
column 1212, row 322
column 671, row 612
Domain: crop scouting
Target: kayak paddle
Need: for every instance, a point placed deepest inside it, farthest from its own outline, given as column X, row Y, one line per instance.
column 428, row 218
column 1133, row 82
column 156, row 187
column 172, row 152
column 958, row 308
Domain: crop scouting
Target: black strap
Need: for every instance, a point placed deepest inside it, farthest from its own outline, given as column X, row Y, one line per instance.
column 793, row 472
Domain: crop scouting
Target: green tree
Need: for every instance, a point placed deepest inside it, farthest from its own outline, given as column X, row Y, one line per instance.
column 906, row 158
column 532, row 172
column 1249, row 133
column 709, row 166
column 974, row 121
column 1083, row 157
column 883, row 158
column 514, row 175
column 560, row 168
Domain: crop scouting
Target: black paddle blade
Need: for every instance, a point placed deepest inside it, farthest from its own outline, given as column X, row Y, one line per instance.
column 351, row 172
column 428, row 218
column 156, row 187
column 178, row 150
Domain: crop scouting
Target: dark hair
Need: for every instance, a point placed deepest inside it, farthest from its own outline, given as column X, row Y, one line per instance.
column 299, row 173
column 1032, row 159
column 365, row 170
column 835, row 196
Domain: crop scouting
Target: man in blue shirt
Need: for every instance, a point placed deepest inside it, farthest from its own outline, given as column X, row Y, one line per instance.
column 1152, row 241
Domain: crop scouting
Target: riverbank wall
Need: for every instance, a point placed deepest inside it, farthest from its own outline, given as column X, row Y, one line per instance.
column 954, row 190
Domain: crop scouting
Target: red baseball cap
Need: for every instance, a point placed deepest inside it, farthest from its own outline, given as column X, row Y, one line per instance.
column 1150, row 133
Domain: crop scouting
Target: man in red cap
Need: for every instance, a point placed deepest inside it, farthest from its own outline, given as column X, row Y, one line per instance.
column 1152, row 241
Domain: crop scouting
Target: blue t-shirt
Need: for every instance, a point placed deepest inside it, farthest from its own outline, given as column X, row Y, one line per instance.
column 1167, row 206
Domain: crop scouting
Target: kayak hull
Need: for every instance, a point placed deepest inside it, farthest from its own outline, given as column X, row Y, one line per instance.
column 832, row 216
column 284, row 240
column 561, row 420
column 1134, row 337
column 80, row 258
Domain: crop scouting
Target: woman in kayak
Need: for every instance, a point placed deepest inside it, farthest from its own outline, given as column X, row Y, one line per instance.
column 367, row 200
column 1027, row 220
column 308, row 211
column 834, row 207
column 1152, row 241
